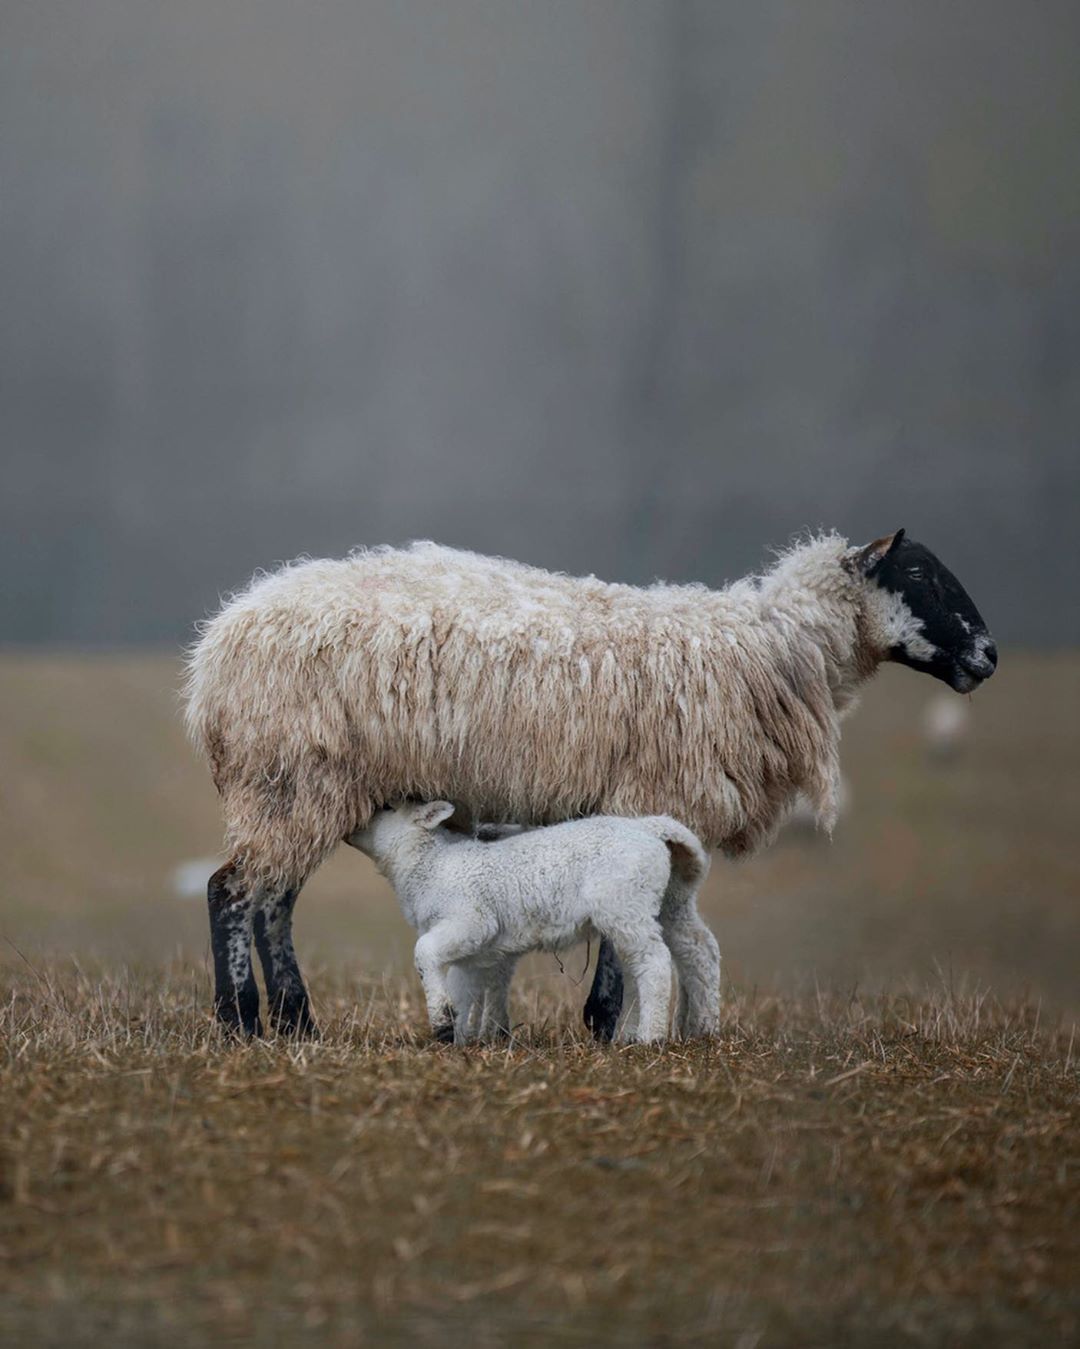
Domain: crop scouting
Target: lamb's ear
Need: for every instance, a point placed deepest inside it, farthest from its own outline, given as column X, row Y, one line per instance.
column 432, row 813
column 868, row 559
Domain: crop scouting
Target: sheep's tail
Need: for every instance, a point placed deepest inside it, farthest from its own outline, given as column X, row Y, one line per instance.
column 689, row 860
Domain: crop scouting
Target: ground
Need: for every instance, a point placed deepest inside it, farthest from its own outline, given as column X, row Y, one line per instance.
column 882, row 1146
column 889, row 1171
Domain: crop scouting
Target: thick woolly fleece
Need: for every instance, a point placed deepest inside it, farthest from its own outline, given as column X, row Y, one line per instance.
column 331, row 687
column 480, row 906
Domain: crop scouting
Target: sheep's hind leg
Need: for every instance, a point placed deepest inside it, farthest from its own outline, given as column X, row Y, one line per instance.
column 289, row 1006
column 626, row 1029
column 231, row 903
column 605, row 999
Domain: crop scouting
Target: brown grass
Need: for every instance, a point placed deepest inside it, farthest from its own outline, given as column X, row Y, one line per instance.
column 832, row 1170
column 859, row 1168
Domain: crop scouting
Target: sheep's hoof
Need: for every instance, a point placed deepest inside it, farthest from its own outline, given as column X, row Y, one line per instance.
column 601, row 1018
column 293, row 1017
column 238, row 1020
column 444, row 1032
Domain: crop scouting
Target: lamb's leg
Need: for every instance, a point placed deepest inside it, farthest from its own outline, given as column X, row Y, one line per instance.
column 465, row 984
column 605, row 998
column 289, row 1007
column 444, row 945
column 648, row 962
column 697, row 962
column 496, row 1019
column 231, row 902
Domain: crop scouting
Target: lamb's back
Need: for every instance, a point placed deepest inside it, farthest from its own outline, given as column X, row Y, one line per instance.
column 571, row 848
column 550, row 869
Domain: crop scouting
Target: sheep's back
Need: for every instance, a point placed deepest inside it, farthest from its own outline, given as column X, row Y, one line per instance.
column 517, row 693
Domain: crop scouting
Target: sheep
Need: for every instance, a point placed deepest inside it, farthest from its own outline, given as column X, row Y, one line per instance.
column 481, row 905
column 946, row 728
column 328, row 688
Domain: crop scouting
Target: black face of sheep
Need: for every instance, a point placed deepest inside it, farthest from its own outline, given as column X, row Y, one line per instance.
column 933, row 621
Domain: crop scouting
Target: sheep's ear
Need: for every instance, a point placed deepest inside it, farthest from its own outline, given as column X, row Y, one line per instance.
column 868, row 559
column 432, row 813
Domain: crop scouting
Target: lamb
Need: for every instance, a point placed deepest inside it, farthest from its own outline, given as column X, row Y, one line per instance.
column 483, row 905
column 328, row 688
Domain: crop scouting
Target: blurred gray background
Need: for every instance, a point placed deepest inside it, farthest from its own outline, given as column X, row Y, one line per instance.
column 638, row 288
column 633, row 288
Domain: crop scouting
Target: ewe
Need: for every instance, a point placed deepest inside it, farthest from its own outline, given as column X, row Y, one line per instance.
column 326, row 689
column 480, row 906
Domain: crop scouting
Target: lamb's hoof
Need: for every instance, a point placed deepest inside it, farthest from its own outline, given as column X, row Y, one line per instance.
column 444, row 1032
column 708, row 1031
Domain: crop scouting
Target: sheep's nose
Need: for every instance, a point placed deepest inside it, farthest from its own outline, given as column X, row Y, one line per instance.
column 981, row 661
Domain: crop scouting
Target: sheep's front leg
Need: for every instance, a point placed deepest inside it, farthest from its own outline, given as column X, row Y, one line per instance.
column 444, row 945
column 290, row 1009
column 606, row 995
column 231, row 902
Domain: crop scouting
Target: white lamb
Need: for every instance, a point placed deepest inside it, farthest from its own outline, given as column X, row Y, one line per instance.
column 479, row 906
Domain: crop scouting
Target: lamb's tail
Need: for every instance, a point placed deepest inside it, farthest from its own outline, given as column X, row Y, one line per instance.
column 689, row 860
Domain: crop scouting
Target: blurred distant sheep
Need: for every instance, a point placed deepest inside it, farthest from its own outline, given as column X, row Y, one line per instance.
column 946, row 726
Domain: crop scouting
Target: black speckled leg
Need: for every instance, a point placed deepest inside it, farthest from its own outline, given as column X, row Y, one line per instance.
column 289, row 1006
column 605, row 999
column 236, row 995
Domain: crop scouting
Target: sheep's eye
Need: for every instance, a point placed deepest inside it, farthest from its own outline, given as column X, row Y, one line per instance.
column 916, row 573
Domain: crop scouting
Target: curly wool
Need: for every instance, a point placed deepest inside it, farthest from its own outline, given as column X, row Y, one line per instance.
column 330, row 687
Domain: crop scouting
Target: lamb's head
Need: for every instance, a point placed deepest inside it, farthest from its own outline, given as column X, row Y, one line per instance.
column 920, row 615
column 395, row 827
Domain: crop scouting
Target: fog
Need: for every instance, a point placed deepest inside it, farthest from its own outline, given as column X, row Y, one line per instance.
column 633, row 288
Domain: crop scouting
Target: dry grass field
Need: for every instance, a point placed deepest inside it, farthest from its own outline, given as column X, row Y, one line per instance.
column 882, row 1147
column 832, row 1170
